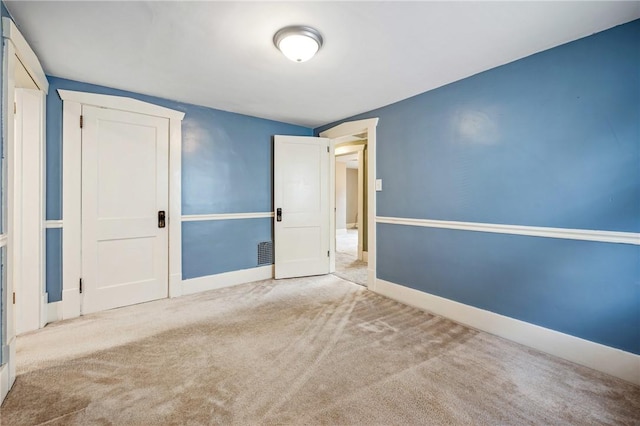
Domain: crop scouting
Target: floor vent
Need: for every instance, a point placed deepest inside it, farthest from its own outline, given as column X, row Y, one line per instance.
column 265, row 253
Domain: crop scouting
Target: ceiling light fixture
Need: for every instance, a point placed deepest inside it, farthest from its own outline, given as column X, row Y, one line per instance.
column 298, row 43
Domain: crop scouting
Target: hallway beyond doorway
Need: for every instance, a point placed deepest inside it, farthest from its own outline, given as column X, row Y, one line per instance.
column 348, row 266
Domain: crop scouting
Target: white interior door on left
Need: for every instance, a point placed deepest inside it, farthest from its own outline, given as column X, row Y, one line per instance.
column 125, row 186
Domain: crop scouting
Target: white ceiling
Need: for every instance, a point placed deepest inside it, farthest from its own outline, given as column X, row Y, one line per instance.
column 221, row 55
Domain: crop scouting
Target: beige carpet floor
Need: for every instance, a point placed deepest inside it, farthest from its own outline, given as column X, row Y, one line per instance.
column 307, row 351
column 348, row 266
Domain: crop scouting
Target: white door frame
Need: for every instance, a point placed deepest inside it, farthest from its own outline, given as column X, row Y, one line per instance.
column 28, row 208
column 361, row 191
column 17, row 49
column 353, row 128
column 72, row 191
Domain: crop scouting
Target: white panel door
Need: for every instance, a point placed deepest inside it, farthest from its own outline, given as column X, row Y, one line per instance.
column 124, row 186
column 301, row 200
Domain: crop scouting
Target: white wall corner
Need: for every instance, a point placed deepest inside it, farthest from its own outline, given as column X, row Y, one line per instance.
column 618, row 363
column 227, row 279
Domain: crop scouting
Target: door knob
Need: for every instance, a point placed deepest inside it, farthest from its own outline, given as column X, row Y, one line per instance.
column 279, row 215
column 161, row 219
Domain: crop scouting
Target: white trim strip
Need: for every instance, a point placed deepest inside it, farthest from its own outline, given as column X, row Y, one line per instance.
column 534, row 231
column 4, row 239
column 226, row 216
column 51, row 224
column 120, row 103
column 350, row 128
column 618, row 363
column 25, row 54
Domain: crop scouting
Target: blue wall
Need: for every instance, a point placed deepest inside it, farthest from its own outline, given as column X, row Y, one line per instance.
column 53, row 264
column 226, row 168
column 573, row 286
column 550, row 140
column 215, row 246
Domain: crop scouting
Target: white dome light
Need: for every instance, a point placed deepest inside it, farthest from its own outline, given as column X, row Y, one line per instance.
column 298, row 43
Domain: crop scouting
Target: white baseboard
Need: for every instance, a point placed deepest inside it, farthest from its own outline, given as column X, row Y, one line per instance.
column 365, row 256
column 71, row 307
column 4, row 381
column 54, row 312
column 615, row 362
column 341, row 231
column 226, row 279
column 351, row 225
column 8, row 372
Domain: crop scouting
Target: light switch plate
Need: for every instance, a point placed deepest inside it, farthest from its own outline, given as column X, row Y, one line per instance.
column 378, row 184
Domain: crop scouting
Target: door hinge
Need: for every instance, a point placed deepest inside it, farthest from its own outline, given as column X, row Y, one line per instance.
column 15, row 108
column 328, row 253
column 81, row 121
column 14, row 297
column 80, row 285
column 328, row 149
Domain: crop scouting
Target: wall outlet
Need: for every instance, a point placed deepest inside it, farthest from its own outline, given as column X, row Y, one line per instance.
column 378, row 184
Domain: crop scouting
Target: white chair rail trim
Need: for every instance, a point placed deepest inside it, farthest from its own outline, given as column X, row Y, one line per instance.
column 226, row 216
column 534, row 231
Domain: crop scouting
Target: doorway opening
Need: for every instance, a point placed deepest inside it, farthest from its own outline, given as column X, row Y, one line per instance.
column 342, row 135
column 351, row 209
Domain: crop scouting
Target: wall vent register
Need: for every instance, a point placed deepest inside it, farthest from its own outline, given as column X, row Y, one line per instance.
column 265, row 253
